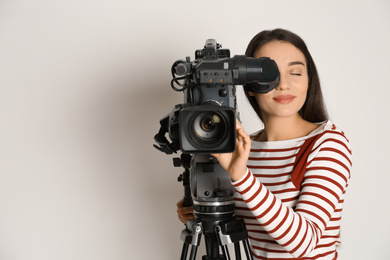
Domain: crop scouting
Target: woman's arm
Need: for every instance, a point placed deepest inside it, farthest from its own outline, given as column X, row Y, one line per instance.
column 325, row 180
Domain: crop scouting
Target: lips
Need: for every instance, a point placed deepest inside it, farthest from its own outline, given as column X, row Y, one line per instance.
column 284, row 99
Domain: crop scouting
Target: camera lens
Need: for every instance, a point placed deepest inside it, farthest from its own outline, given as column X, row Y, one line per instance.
column 209, row 123
column 209, row 127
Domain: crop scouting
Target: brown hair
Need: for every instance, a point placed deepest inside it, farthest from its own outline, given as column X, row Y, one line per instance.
column 313, row 110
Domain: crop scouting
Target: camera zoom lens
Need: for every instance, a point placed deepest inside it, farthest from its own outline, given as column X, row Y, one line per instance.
column 209, row 123
column 209, row 128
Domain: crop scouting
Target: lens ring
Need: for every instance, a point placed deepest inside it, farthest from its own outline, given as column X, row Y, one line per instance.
column 210, row 123
column 209, row 128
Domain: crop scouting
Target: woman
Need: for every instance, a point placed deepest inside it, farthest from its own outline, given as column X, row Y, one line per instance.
column 290, row 177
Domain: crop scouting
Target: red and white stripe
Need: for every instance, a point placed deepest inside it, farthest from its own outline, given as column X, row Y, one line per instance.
column 293, row 193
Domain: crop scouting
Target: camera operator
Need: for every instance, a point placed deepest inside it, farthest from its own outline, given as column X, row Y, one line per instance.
column 291, row 176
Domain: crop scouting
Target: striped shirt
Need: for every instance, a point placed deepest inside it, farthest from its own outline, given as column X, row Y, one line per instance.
column 292, row 195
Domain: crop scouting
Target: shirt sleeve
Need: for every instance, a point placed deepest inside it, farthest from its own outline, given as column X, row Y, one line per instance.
column 326, row 178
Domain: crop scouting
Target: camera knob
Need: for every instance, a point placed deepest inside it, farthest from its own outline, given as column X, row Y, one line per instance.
column 223, row 93
column 181, row 69
column 176, row 162
column 180, row 178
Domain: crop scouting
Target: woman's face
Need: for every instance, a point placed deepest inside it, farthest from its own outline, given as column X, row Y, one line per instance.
column 290, row 94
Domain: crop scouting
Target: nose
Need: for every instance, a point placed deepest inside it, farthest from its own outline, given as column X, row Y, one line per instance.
column 283, row 83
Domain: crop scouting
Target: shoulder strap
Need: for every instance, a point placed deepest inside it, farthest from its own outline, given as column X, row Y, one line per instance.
column 299, row 170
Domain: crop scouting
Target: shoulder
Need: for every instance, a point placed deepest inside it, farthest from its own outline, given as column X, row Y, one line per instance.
column 325, row 155
column 332, row 137
column 331, row 150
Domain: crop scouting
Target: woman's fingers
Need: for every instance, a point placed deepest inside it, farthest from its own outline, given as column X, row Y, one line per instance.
column 242, row 138
column 185, row 210
column 184, row 213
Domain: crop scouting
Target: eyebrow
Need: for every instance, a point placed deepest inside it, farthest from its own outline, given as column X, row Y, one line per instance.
column 292, row 63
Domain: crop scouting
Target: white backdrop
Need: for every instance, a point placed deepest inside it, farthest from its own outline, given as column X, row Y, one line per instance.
column 83, row 85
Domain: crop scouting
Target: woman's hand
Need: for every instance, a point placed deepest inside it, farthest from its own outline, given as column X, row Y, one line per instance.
column 235, row 162
column 184, row 213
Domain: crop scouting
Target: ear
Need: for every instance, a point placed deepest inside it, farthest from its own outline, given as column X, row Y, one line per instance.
column 252, row 94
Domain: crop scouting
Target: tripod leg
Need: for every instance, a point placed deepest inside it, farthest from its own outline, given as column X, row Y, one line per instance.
column 184, row 252
column 194, row 249
column 191, row 235
column 225, row 252
column 212, row 246
column 237, row 250
column 247, row 250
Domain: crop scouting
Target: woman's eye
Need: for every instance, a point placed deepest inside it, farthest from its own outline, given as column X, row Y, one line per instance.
column 296, row 74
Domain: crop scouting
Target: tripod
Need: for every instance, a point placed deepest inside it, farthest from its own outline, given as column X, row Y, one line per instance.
column 209, row 185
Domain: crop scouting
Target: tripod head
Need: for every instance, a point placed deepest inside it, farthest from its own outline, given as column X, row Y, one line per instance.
column 207, row 186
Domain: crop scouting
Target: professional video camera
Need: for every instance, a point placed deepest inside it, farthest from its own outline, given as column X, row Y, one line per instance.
column 204, row 124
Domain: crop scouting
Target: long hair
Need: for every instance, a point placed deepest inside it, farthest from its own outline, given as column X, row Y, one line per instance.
column 313, row 110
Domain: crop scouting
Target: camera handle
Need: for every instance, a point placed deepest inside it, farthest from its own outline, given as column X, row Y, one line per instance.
column 163, row 145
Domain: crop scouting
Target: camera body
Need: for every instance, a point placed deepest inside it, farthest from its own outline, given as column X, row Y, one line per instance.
column 207, row 124
column 206, row 121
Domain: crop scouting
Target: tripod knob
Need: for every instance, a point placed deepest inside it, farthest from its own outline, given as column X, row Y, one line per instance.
column 176, row 162
column 180, row 178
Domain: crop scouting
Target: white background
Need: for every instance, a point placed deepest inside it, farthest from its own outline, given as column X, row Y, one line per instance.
column 83, row 85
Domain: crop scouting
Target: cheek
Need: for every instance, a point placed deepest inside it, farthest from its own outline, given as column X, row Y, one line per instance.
column 303, row 98
column 264, row 100
column 302, row 95
column 300, row 86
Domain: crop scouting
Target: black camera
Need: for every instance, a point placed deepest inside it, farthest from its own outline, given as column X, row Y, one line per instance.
column 203, row 124
column 206, row 121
